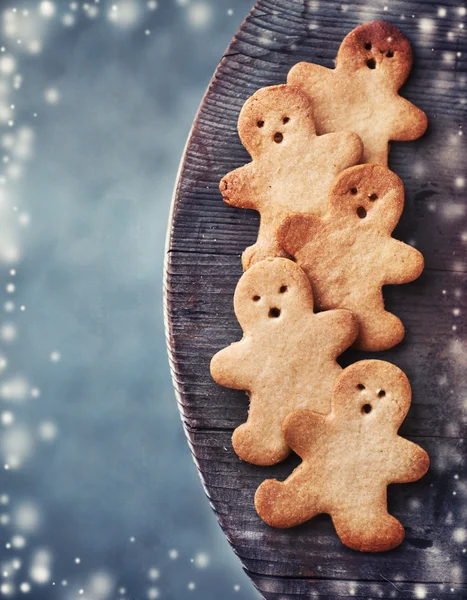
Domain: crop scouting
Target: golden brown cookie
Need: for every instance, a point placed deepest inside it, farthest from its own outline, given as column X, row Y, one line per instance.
column 349, row 253
column 349, row 458
column 292, row 168
column 286, row 359
column 361, row 93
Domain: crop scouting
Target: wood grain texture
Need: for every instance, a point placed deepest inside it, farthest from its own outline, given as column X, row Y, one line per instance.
column 205, row 242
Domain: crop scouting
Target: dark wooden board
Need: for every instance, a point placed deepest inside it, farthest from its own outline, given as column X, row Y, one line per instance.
column 205, row 240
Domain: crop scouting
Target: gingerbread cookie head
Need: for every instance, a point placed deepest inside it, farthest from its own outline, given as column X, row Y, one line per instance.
column 372, row 394
column 368, row 195
column 381, row 49
column 272, row 292
column 275, row 117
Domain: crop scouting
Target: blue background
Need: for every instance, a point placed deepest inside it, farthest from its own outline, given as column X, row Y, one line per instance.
column 98, row 455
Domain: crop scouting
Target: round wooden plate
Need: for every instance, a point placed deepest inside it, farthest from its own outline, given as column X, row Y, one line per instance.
column 205, row 241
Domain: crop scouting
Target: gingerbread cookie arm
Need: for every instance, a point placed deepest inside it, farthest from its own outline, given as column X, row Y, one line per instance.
column 231, row 367
column 341, row 327
column 301, row 428
column 400, row 263
column 295, row 231
column 411, row 122
column 344, row 149
column 409, row 462
column 237, row 189
column 307, row 75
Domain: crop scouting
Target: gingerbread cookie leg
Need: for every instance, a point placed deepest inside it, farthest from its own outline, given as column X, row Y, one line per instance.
column 259, row 441
column 362, row 528
column 289, row 503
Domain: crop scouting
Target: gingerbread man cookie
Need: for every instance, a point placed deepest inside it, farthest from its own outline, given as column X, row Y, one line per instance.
column 286, row 359
column 292, row 168
column 361, row 93
column 349, row 458
column 349, row 253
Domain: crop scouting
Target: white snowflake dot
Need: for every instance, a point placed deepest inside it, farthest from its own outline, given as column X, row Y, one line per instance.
column 47, row 9
column 7, row 418
column 40, row 573
column 52, row 95
column 420, row 591
column 201, row 560
column 199, row 14
column 460, row 535
column 427, row 25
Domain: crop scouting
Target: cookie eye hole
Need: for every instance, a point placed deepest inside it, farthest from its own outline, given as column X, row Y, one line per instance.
column 274, row 313
column 360, row 387
column 260, row 124
column 283, row 289
column 368, row 46
column 366, row 409
column 361, row 212
column 390, row 54
column 354, row 191
column 381, row 394
column 371, row 63
column 256, row 298
column 373, row 197
column 278, row 137
column 285, row 120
